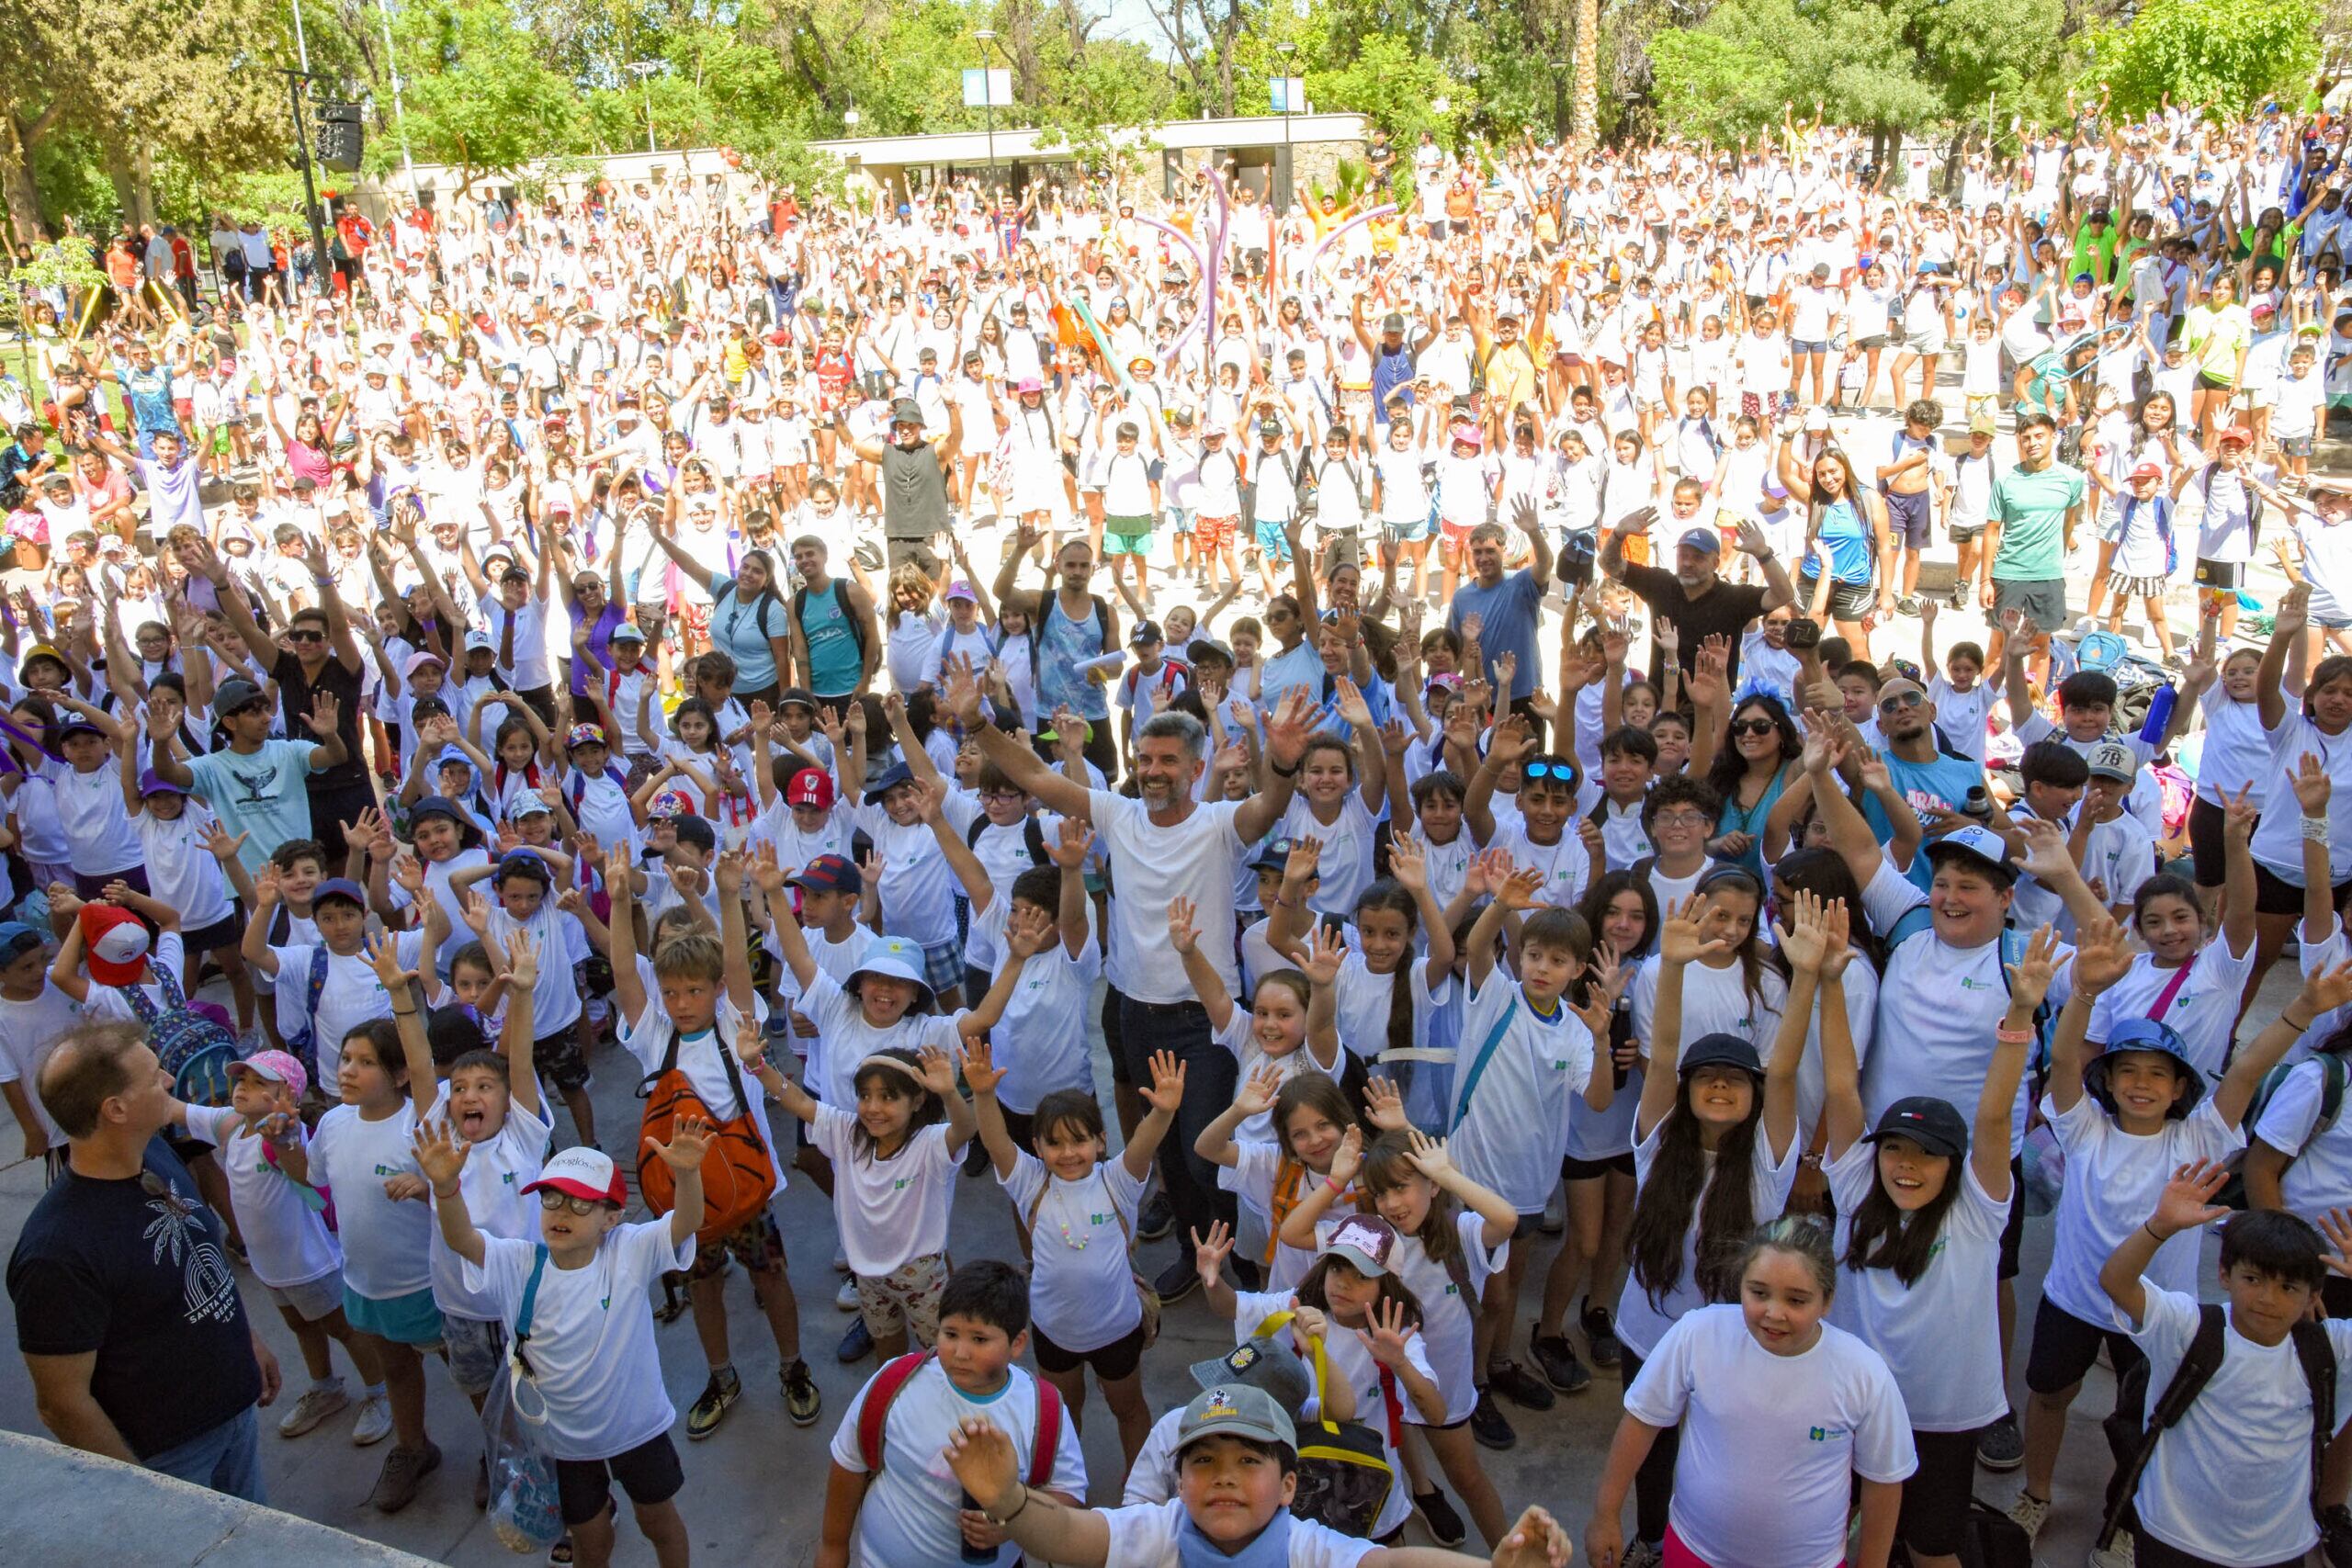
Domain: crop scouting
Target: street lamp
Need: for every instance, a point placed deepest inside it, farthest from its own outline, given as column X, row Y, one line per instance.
column 1290, row 83
column 850, row 117
column 645, row 70
column 987, row 95
column 400, row 109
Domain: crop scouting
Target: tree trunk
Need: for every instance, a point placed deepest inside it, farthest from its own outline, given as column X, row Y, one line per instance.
column 17, row 142
column 116, row 156
column 1584, row 125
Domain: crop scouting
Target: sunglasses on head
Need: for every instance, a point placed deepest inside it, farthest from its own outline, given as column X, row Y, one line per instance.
column 1900, row 701
column 1564, row 772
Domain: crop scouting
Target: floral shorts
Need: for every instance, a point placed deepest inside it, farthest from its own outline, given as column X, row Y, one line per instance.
column 905, row 1298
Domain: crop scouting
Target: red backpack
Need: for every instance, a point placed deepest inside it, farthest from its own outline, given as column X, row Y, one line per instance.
column 893, row 1376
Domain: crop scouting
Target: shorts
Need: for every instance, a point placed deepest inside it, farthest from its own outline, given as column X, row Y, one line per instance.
column 943, row 966
column 1413, row 531
column 474, row 1350
column 1848, row 601
column 1801, row 345
column 1126, row 535
column 1180, row 521
column 2222, row 575
column 906, row 1299
column 1927, row 341
column 2065, row 1348
column 1575, row 1169
column 696, row 618
column 2207, row 847
column 2043, row 601
column 757, row 1244
column 2152, row 587
column 1964, row 532
column 226, row 931
column 1456, row 536
column 560, row 1060
column 412, row 1319
column 2274, row 895
column 92, row 888
column 1272, row 543
column 1117, row 1360
column 1934, row 1519
column 649, row 1473
column 1907, row 518
column 2208, row 382
column 1214, row 532
column 2295, row 446
column 313, row 1299
column 1875, row 339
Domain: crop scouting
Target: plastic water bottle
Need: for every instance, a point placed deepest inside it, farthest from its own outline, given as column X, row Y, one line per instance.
column 2159, row 714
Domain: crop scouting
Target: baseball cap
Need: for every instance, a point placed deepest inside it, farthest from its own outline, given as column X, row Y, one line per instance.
column 672, row 803
column 1028, row 384
column 1719, row 1050
column 339, row 888
column 116, row 944
column 1816, row 419
column 1264, row 1362
column 17, row 939
column 891, row 778
column 1392, row 323
column 230, row 695
column 585, row 735
column 582, row 1172
column 1366, row 1242
column 960, row 589
column 276, row 1067
column 1704, row 540
column 810, row 786
column 1979, row 844
column 1236, row 1410
column 1146, row 631
column 627, row 631
column 1928, row 1121
column 831, row 873
column 2148, row 471
column 2113, row 759
column 529, row 803
column 153, row 782
column 2237, row 433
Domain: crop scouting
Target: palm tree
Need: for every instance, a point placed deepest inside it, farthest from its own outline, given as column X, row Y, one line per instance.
column 1584, row 125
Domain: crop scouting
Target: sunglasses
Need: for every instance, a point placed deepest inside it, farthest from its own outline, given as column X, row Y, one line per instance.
column 1900, row 701
column 1754, row 727
column 550, row 1199
column 306, row 633
column 1564, row 772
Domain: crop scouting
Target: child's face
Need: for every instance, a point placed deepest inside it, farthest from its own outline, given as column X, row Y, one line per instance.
column 1231, row 1489
column 2050, row 801
column 296, row 882
column 426, row 682
column 515, row 750
column 1181, row 623
column 2088, row 721
column 823, row 906
column 1640, row 707
column 1962, row 674
column 798, row 721
column 2145, row 1085
column 436, row 838
column 341, row 924
column 885, row 1102
column 693, row 728
column 1912, row 1177
column 1544, row 972
column 1386, row 939
column 471, row 982
column 1245, row 648
column 570, row 1235
column 361, row 1079
column 884, row 998
column 1859, row 696
column 251, row 1097
column 1068, row 1150
column 1673, row 743
column 690, row 1002
column 2238, row 676
column 456, row 779
column 899, row 802
column 1546, row 805
column 1782, row 1303
column 165, row 805
column 1680, row 828
column 1729, row 915
column 975, row 1354
column 84, row 750
column 521, row 896
column 478, row 1102
column 2265, row 1307
column 1407, row 1204
column 1327, row 779
column 1441, row 815
column 1350, row 1294
column 1720, row 1097
column 1278, row 1019
column 1624, row 924
column 1625, row 775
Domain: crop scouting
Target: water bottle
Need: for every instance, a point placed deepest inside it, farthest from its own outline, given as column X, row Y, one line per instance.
column 970, row 1553
column 2159, row 714
column 1978, row 805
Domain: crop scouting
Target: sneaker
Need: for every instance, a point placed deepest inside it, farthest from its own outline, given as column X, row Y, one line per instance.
column 856, row 1345
column 2336, row 1535
column 1439, row 1518
column 2001, row 1446
column 1518, row 1385
column 2028, row 1512
column 1641, row 1554
column 1176, row 1282
column 375, row 1423
column 1907, row 606
column 846, row 1299
column 1557, row 1359
column 2120, row 1552
column 315, row 1405
column 1487, row 1425
column 1601, row 1336
column 404, row 1470
column 723, row 1390
column 1157, row 1218
column 801, row 1400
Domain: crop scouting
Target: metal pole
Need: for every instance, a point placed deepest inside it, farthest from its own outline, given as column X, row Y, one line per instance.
column 645, row 80
column 400, row 109
column 988, row 100
column 301, row 45
column 294, row 80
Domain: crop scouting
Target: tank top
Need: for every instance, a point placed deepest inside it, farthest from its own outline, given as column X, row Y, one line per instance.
column 914, row 492
column 835, row 661
column 1849, row 542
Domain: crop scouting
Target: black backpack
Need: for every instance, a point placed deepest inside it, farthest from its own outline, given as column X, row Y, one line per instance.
column 2134, row 1445
column 1033, row 836
column 841, row 598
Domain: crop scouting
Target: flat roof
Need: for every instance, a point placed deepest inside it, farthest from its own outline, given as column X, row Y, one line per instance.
column 1033, row 143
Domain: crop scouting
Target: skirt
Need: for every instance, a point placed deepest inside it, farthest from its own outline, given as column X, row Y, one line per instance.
column 2139, row 587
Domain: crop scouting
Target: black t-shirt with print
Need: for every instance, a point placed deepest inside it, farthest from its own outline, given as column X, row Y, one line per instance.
column 138, row 1271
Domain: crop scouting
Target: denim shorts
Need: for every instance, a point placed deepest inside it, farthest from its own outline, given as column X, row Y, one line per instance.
column 226, row 1459
column 474, row 1350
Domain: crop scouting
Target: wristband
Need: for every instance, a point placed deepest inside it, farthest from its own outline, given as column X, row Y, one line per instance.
column 2013, row 1036
column 323, row 581
column 2315, row 829
column 1333, row 1183
column 445, row 1197
column 404, row 1013
column 1011, row 1516
column 2297, row 1028
column 2151, row 1229
column 1280, row 772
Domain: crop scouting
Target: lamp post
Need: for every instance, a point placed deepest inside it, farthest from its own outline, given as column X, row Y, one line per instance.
column 1290, row 83
column 400, row 109
column 645, row 70
column 988, row 96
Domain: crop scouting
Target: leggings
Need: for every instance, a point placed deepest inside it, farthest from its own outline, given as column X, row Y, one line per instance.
column 1654, row 1483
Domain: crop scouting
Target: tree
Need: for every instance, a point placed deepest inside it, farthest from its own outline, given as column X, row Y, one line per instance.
column 479, row 94
column 2223, row 54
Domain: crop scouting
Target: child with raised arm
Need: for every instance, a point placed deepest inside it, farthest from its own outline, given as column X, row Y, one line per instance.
column 1070, row 1195
column 574, row 1302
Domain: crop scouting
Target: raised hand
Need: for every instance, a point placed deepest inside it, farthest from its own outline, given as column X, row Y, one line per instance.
column 1210, row 1251
column 1407, row 863
column 980, row 1071
column 689, row 1142
column 1326, row 951
column 938, row 1070
column 2312, row 786
column 522, row 959
column 1071, row 845
column 1182, row 935
column 1521, row 889
column 2102, row 956
column 1391, row 1326
column 2329, row 990
column 1429, row 1157
column 383, row 953
column 2046, row 851
column 1347, row 1158
column 1352, row 705
column 767, row 873
column 1384, row 1106
column 2032, row 975
column 440, row 1154
column 1678, row 938
column 2187, row 1201
column 1167, row 1090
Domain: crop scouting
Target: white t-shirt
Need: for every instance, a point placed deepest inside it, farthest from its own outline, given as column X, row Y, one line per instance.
column 1515, row 1124
column 892, row 1211
column 1939, row 1334
column 2278, row 838
column 2318, row 1177
column 1642, row 1325
column 2203, row 1011
column 1347, row 1359
column 1346, row 865
column 1566, row 865
column 699, row 1057
column 1040, row 1041
column 1941, row 1004
column 2237, row 748
column 845, row 1039
column 562, row 942
column 2232, row 1481
column 1080, row 1294
column 1152, row 866
column 286, row 1244
column 180, row 870
column 351, row 996
column 2112, row 1180
column 1771, row 1443
column 497, row 1169
column 28, row 1030
column 917, row 886
column 908, row 1516
column 98, row 839
column 386, row 1246
column 436, row 876
column 592, row 1341
column 1144, row 1535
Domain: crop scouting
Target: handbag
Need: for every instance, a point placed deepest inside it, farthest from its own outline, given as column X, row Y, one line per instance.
column 1344, row 1476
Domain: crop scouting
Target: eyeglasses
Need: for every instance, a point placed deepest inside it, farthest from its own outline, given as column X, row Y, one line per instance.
column 1680, row 819
column 1754, row 727
column 550, row 1199
column 1900, row 701
column 306, row 633
column 1563, row 771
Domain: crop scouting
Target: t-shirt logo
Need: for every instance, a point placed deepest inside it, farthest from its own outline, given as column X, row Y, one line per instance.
column 1825, row 1434
column 208, row 1289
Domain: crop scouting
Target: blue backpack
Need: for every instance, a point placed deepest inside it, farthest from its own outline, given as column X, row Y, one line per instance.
column 304, row 1042
column 198, row 1050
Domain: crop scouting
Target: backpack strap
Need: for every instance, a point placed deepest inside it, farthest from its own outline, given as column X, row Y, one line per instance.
column 2198, row 1365
column 529, row 1302
column 2317, row 1355
column 1478, row 1063
column 1049, row 1433
column 876, row 1410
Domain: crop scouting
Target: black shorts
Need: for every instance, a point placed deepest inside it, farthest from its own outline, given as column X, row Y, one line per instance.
column 2065, row 1348
column 2013, row 1233
column 1848, row 601
column 1575, row 1169
column 559, row 1057
column 1117, row 1360
column 226, row 931
column 1935, row 1499
column 2219, row 575
column 2206, row 846
column 1114, row 1038
column 2274, row 895
column 649, row 1473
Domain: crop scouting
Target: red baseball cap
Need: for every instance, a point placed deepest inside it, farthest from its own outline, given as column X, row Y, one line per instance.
column 2239, row 433
column 582, row 1172
column 115, row 944
column 810, row 786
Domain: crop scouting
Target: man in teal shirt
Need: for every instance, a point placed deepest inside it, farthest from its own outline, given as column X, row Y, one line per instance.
column 258, row 786
column 2029, row 526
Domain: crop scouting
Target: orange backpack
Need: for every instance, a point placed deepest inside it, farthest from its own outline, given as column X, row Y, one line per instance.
column 737, row 1173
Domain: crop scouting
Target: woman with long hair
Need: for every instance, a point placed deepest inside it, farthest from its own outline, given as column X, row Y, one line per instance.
column 1752, row 774
column 1849, row 570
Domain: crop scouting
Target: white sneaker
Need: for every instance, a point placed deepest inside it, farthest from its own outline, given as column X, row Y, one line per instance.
column 2121, row 1553
column 846, row 1299
column 315, row 1405
column 375, row 1423
column 2029, row 1512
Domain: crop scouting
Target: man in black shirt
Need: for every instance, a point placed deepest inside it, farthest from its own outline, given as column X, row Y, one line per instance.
column 127, row 1308
column 1692, row 597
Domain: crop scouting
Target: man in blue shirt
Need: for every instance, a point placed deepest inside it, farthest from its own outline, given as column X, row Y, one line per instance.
column 146, row 389
column 1929, row 779
column 1508, row 607
column 259, row 787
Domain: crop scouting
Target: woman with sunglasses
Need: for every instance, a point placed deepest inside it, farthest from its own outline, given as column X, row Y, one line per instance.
column 1752, row 775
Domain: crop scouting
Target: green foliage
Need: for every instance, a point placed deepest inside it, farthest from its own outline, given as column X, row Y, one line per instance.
column 2225, row 54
